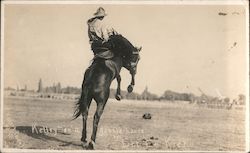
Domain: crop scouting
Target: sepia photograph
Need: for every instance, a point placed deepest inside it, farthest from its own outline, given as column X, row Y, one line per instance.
column 127, row 76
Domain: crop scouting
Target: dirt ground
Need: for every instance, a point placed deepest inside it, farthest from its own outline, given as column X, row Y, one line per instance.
column 47, row 124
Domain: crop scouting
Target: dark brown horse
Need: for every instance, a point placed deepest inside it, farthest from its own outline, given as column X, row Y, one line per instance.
column 98, row 78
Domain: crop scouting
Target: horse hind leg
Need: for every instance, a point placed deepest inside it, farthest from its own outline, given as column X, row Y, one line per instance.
column 83, row 107
column 99, row 110
column 84, row 121
column 84, row 103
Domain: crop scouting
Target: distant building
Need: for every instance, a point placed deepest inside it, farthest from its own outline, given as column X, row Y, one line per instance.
column 10, row 89
column 40, row 86
column 58, row 88
column 145, row 94
column 24, row 89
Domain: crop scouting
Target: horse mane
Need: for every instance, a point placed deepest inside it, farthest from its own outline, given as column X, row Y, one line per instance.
column 121, row 45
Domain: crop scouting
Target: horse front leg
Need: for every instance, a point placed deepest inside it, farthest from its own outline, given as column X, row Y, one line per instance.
column 118, row 90
column 132, row 83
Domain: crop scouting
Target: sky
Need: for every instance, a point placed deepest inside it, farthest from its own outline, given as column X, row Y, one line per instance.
column 184, row 47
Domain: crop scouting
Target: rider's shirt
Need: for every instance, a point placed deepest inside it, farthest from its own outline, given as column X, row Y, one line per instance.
column 98, row 30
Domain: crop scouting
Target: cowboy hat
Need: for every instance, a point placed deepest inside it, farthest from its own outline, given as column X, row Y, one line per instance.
column 100, row 12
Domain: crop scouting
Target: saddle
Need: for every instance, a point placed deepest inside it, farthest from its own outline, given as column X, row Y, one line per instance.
column 105, row 58
column 113, row 67
column 98, row 47
column 103, row 51
column 107, row 54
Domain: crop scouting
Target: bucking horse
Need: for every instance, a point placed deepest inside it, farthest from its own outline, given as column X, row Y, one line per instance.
column 98, row 78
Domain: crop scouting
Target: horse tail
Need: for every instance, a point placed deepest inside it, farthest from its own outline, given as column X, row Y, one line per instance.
column 82, row 103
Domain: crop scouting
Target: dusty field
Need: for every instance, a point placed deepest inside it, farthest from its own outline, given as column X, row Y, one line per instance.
column 46, row 124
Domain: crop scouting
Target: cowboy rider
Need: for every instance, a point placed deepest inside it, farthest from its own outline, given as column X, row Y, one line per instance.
column 99, row 34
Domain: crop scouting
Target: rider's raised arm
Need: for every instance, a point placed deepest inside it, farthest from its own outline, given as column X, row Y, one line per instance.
column 108, row 31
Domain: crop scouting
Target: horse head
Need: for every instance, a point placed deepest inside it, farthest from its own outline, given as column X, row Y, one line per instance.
column 131, row 65
column 134, row 59
column 130, row 54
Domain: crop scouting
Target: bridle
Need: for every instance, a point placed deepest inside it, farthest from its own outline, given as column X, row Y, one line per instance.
column 134, row 63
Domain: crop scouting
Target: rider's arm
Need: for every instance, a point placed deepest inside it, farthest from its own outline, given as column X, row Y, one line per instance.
column 108, row 31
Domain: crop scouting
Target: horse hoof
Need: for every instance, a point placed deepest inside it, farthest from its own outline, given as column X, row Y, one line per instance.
column 90, row 146
column 130, row 88
column 85, row 144
column 118, row 97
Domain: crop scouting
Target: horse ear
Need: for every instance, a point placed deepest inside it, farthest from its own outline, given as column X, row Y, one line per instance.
column 139, row 49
